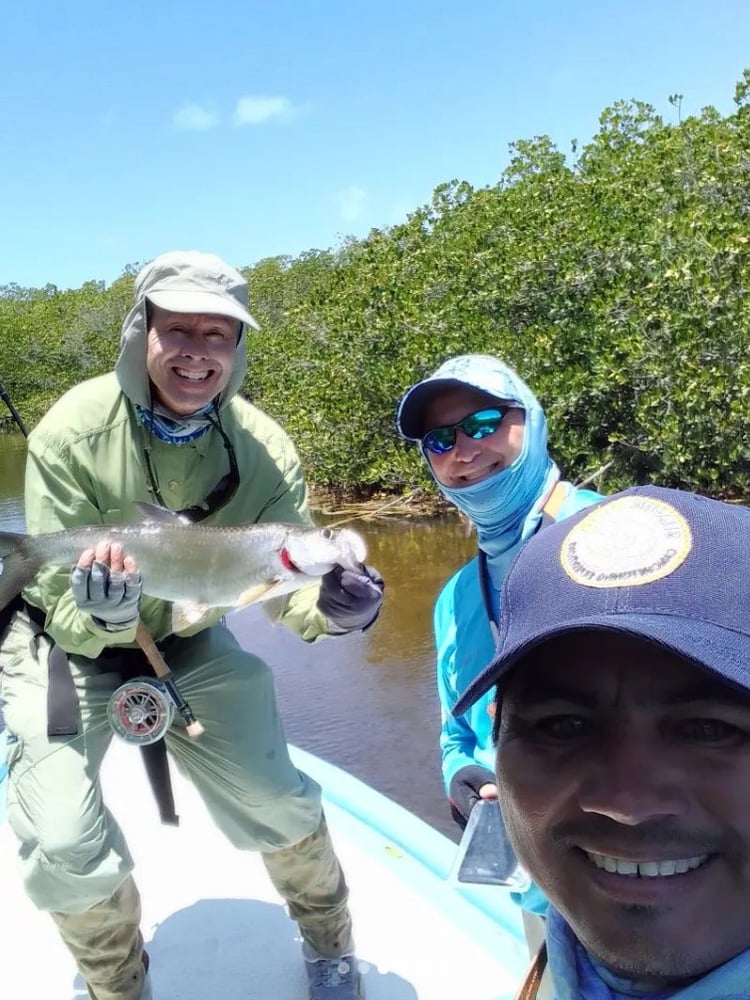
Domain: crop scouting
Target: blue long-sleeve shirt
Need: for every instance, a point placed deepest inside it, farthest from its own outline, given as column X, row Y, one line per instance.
column 465, row 643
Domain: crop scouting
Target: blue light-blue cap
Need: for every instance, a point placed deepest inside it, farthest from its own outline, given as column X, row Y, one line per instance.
column 478, row 371
column 669, row 566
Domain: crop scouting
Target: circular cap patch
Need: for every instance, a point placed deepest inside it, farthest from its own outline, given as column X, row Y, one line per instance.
column 626, row 543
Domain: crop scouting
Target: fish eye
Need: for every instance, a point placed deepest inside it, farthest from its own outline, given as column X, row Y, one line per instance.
column 327, row 533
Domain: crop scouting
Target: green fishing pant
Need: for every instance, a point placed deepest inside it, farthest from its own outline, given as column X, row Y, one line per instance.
column 73, row 854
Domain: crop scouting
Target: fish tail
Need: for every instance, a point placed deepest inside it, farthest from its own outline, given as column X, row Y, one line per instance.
column 19, row 565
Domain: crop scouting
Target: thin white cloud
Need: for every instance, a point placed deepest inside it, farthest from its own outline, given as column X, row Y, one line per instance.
column 257, row 110
column 194, row 118
column 351, row 202
column 398, row 212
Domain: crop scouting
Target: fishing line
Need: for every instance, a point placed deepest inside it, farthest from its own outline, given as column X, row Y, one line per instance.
column 104, row 724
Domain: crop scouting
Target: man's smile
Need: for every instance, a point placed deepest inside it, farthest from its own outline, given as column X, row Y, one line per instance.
column 648, row 878
column 477, row 475
column 192, row 376
column 646, row 869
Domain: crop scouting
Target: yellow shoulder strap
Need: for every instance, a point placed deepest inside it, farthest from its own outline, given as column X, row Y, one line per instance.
column 530, row 986
column 554, row 501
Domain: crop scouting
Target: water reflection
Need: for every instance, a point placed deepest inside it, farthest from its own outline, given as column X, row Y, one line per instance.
column 417, row 556
column 365, row 702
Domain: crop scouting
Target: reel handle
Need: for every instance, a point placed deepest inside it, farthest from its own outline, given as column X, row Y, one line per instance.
column 153, row 655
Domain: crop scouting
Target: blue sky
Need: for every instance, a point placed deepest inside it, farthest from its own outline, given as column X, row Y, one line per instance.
column 252, row 128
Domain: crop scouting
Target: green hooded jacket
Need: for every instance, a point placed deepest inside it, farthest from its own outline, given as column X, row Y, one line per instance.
column 86, row 465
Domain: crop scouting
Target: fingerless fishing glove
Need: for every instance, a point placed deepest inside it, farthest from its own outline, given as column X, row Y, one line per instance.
column 351, row 599
column 463, row 793
column 112, row 599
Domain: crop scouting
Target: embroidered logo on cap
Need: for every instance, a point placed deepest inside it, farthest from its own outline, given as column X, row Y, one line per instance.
column 626, row 543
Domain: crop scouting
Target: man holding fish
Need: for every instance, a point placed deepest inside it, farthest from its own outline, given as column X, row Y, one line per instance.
column 168, row 428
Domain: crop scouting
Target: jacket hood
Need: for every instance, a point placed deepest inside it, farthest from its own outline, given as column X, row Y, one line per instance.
column 189, row 282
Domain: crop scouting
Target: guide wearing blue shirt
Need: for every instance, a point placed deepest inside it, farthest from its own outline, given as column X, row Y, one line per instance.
column 483, row 434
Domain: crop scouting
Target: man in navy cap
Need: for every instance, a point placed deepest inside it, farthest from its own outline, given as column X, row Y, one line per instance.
column 623, row 727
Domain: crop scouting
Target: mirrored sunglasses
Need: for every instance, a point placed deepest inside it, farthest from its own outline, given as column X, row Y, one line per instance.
column 476, row 426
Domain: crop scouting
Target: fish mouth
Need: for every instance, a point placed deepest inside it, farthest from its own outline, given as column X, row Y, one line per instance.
column 353, row 545
column 648, row 868
column 314, row 556
column 288, row 563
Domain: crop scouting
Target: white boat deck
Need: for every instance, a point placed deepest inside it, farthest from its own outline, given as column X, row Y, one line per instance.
column 215, row 927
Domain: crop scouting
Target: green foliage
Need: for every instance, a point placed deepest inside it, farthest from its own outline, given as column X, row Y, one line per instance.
column 616, row 281
column 50, row 339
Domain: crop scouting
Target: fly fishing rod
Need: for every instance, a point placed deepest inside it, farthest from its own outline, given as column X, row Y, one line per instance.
column 13, row 411
column 140, row 711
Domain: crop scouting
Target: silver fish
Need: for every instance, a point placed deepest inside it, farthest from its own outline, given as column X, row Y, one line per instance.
column 195, row 566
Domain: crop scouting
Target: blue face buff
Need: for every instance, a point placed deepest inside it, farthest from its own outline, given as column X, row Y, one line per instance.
column 173, row 429
column 499, row 505
column 577, row 977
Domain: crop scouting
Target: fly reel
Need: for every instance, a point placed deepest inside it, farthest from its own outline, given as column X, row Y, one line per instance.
column 141, row 711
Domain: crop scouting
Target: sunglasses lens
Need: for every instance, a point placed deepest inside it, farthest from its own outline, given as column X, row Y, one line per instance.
column 476, row 426
column 440, row 440
column 482, row 424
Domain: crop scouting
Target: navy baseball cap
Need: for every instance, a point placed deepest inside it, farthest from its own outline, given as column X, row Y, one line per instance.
column 668, row 566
